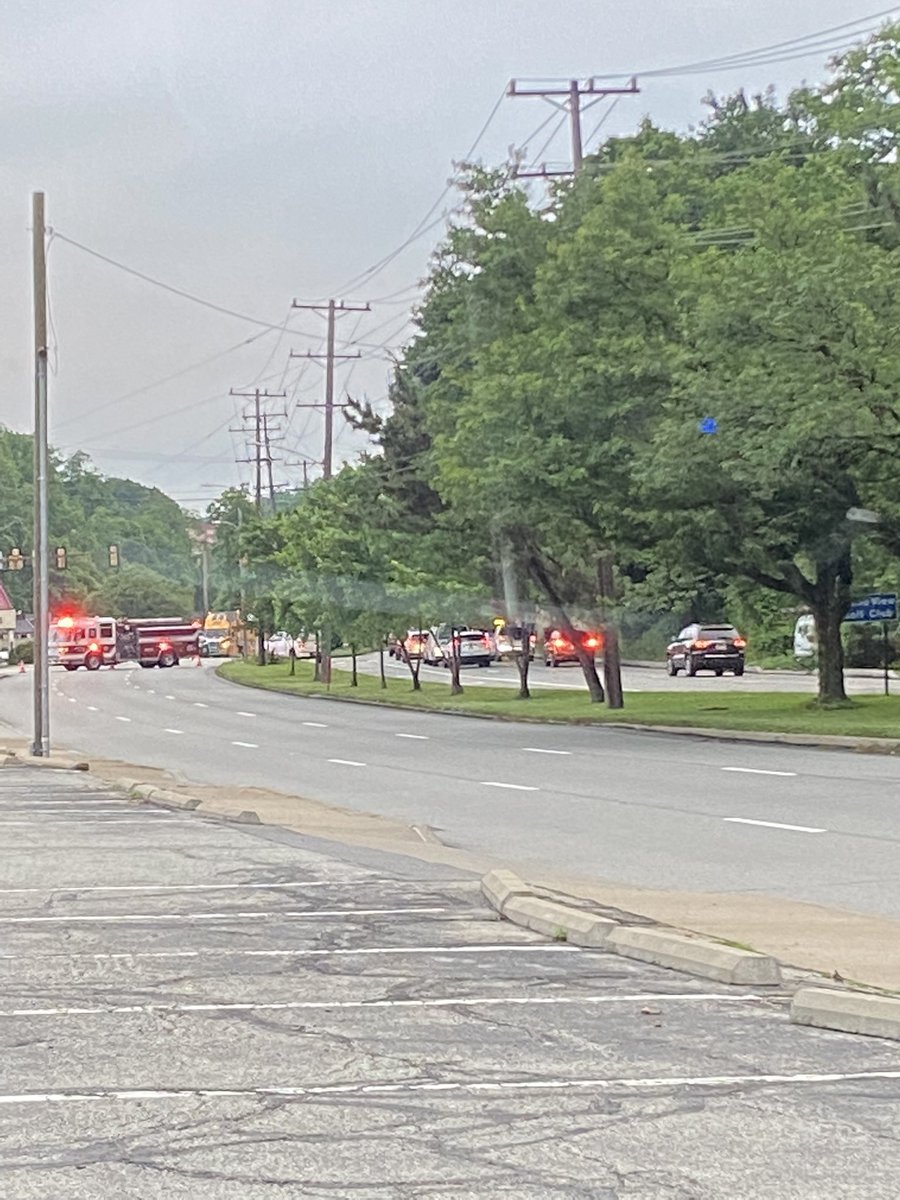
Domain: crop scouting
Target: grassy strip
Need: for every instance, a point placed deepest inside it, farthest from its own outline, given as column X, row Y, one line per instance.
column 764, row 712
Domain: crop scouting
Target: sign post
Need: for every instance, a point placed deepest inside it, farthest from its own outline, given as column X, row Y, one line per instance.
column 880, row 606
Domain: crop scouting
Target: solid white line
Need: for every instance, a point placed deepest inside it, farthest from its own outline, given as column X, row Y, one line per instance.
column 314, row 724
column 413, row 737
column 539, row 750
column 774, row 825
column 346, row 762
column 113, row 919
column 460, row 1087
column 512, row 948
column 516, row 787
column 101, row 1010
column 200, row 704
column 192, row 887
column 759, row 771
column 93, row 708
column 128, row 719
column 247, row 745
column 241, row 713
column 174, row 731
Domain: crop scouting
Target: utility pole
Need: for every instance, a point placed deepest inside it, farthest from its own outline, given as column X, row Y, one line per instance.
column 262, row 449
column 40, row 747
column 606, row 575
column 570, row 101
column 332, row 309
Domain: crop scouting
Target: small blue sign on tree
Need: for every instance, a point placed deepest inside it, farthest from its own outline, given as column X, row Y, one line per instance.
column 709, row 425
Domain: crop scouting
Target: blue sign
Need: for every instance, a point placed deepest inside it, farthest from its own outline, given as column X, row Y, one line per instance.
column 709, row 425
column 882, row 606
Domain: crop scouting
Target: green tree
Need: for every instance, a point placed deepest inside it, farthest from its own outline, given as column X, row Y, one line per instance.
column 138, row 591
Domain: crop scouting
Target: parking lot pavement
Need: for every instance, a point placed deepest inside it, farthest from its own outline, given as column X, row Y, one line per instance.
column 192, row 1009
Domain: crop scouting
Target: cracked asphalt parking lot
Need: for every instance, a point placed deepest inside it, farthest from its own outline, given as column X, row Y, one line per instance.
column 195, row 1009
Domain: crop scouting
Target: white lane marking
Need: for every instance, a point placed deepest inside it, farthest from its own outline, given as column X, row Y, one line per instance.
column 774, row 825
column 170, row 697
column 540, row 750
column 200, row 704
column 205, row 1006
column 516, row 787
column 114, row 919
column 126, row 719
column 181, row 731
column 511, row 948
column 106, row 822
column 241, row 713
column 247, row 745
column 465, row 1087
column 314, row 724
column 199, row 887
column 151, row 691
column 413, row 737
column 759, row 771
column 71, row 699
column 93, row 708
column 346, row 762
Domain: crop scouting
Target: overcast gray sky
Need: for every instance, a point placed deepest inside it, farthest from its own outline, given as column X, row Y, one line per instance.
column 254, row 152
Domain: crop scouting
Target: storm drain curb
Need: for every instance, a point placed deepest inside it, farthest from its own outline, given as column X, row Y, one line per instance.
column 847, row 1011
column 517, row 902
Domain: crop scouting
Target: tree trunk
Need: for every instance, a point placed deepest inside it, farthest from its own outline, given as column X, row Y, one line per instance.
column 293, row 661
column 456, row 687
column 522, row 658
column 317, row 672
column 354, row 679
column 261, row 646
column 612, row 660
column 831, row 599
column 326, row 656
column 381, row 665
column 541, row 576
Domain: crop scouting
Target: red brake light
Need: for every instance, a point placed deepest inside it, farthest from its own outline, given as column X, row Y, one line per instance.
column 740, row 643
column 592, row 643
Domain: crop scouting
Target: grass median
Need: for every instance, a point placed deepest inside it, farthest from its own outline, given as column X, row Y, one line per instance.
column 762, row 712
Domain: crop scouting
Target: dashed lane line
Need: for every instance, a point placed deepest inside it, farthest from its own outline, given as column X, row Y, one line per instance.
column 247, row 745
column 179, row 731
column 542, row 750
column 515, row 787
column 314, row 724
column 413, row 737
column 200, row 704
column 241, row 713
column 774, row 825
column 346, row 762
column 759, row 771
column 127, row 720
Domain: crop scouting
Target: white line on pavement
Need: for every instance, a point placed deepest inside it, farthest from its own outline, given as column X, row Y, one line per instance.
column 247, row 745
column 774, row 825
column 516, row 787
column 103, row 1010
column 241, row 713
column 474, row 1086
column 346, row 762
column 314, row 724
column 93, row 708
column 170, row 697
column 540, row 750
column 151, row 691
column 127, row 719
column 181, row 731
column 511, row 948
column 115, row 919
column 71, row 699
column 200, row 704
column 758, row 771
column 199, row 887
column 413, row 737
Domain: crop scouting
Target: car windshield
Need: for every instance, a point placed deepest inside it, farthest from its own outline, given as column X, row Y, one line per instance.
column 718, row 631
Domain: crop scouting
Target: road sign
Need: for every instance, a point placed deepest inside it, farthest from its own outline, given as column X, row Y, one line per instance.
column 881, row 606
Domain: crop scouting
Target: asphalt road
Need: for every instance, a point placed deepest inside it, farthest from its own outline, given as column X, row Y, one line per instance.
column 648, row 810
column 634, row 678
column 203, row 1011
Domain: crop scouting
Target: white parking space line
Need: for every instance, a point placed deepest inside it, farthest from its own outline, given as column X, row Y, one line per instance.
column 515, row 787
column 314, row 724
column 179, row 731
column 247, row 745
column 465, row 1087
column 413, row 737
column 774, row 825
column 221, row 951
column 126, row 719
column 759, row 771
column 541, row 750
column 102, row 1010
column 200, row 704
column 346, row 762
column 125, row 918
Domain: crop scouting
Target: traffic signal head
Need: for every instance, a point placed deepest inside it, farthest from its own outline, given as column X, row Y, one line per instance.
column 61, row 558
column 114, row 556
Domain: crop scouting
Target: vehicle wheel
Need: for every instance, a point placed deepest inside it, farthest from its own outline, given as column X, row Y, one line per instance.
column 71, row 666
column 739, row 670
column 671, row 669
column 92, row 662
column 719, row 672
column 168, row 658
column 690, row 667
column 147, row 666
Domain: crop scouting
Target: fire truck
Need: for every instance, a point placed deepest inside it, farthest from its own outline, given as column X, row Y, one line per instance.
column 94, row 642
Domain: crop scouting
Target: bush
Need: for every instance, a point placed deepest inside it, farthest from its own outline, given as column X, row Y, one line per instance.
column 22, row 652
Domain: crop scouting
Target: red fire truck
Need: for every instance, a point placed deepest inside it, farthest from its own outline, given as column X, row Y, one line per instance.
column 93, row 642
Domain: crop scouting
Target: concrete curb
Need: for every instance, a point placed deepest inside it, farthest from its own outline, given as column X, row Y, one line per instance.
column 517, row 902
column 850, row 1012
column 50, row 763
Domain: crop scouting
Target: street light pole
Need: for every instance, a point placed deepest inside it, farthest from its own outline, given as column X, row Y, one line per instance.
column 40, row 747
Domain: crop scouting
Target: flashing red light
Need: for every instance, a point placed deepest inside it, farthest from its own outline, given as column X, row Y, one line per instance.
column 93, row 647
column 165, row 645
column 591, row 643
column 66, row 622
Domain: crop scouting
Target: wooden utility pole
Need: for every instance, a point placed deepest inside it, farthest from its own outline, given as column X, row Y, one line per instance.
column 262, row 447
column 40, row 746
column 333, row 309
column 568, row 98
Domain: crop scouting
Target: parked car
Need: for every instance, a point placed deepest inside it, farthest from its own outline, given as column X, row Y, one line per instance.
column 412, row 645
column 558, row 648
column 279, row 644
column 476, row 646
column 706, row 647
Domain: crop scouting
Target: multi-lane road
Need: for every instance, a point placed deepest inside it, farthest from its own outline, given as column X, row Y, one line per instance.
column 654, row 811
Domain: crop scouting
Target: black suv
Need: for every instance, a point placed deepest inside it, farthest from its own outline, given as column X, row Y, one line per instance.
column 716, row 648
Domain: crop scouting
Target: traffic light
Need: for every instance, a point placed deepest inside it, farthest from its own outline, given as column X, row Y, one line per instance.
column 16, row 559
column 61, row 558
column 114, row 556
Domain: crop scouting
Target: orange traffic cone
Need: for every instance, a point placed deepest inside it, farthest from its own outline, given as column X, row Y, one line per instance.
column 21, row 667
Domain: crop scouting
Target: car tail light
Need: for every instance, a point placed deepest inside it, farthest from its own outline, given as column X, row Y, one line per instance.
column 700, row 644
column 591, row 643
column 740, row 643
column 487, row 641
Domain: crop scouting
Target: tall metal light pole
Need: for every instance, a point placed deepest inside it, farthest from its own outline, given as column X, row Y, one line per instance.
column 39, row 558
